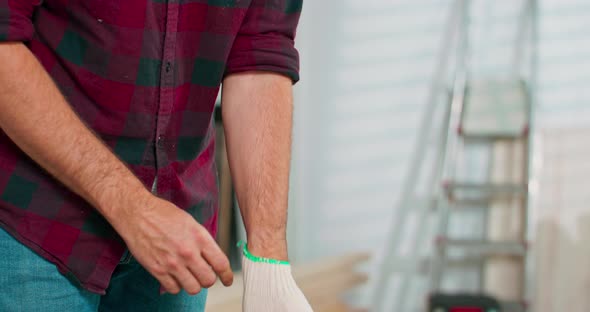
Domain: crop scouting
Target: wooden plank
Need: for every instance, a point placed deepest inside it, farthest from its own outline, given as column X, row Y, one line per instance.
column 322, row 286
column 562, row 222
column 331, row 306
column 334, row 306
column 329, row 265
column 504, row 277
column 322, row 281
column 331, row 286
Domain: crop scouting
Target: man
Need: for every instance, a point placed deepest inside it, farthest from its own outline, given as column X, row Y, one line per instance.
column 102, row 101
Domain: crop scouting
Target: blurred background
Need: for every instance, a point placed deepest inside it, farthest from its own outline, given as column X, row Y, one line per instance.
column 440, row 157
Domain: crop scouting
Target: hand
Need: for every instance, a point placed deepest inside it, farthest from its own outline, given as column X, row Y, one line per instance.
column 171, row 245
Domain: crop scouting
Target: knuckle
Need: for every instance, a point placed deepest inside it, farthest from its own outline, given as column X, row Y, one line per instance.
column 172, row 263
column 220, row 264
column 186, row 253
column 170, row 286
column 194, row 290
column 157, row 269
column 208, row 280
column 201, row 240
column 203, row 237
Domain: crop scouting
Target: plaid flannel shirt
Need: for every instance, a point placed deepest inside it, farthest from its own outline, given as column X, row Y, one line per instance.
column 144, row 75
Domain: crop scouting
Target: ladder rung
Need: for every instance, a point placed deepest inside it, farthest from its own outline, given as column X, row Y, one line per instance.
column 480, row 202
column 471, row 203
column 473, row 137
column 463, row 262
column 489, row 189
column 495, row 110
column 486, row 247
column 466, row 261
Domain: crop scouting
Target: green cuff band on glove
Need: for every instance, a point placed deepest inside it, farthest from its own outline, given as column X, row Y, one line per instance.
column 242, row 244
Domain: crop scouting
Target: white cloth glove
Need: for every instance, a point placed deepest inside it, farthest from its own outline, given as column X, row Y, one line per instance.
column 270, row 287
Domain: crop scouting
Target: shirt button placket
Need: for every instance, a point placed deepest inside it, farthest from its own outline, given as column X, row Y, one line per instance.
column 166, row 101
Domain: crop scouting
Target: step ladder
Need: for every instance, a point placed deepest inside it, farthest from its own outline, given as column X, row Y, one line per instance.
column 493, row 114
column 494, row 117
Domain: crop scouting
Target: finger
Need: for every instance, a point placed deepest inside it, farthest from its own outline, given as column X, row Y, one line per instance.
column 218, row 261
column 168, row 283
column 204, row 273
column 187, row 281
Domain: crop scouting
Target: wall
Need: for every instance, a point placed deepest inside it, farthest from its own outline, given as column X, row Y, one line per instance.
column 366, row 73
column 561, row 279
column 365, row 77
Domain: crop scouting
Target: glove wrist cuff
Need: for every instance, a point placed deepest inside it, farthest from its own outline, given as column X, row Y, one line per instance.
column 244, row 246
column 267, row 278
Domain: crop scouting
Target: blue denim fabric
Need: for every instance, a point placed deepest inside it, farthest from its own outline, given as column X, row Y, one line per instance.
column 29, row 283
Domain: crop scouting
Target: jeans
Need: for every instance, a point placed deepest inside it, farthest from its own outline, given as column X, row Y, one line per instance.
column 29, row 283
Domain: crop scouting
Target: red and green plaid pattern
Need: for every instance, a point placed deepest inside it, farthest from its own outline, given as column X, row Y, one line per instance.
column 144, row 75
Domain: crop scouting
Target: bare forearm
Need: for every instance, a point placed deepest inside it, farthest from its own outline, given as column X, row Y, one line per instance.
column 257, row 114
column 37, row 118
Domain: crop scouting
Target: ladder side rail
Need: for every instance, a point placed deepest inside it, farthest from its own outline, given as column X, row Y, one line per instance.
column 450, row 156
column 529, row 276
column 419, row 151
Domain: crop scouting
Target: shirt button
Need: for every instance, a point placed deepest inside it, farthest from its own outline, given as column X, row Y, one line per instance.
column 168, row 67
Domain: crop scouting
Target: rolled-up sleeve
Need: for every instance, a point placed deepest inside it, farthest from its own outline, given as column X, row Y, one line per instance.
column 15, row 19
column 265, row 41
